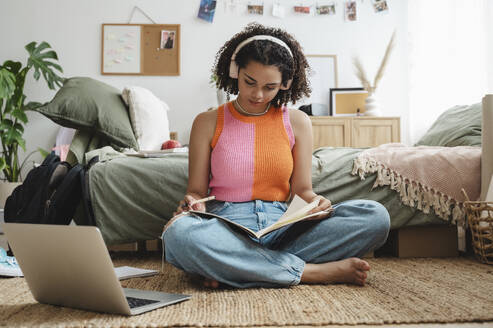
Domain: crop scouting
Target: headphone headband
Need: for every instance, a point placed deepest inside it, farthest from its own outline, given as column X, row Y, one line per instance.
column 261, row 37
column 233, row 67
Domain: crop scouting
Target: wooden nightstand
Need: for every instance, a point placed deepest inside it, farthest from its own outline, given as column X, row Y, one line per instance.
column 354, row 131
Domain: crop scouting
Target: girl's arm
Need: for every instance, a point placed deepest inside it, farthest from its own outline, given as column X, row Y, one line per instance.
column 301, row 180
column 199, row 159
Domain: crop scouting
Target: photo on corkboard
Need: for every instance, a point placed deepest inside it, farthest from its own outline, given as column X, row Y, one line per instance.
column 167, row 39
column 347, row 101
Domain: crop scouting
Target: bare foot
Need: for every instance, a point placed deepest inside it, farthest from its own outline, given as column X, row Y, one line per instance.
column 351, row 270
column 211, row 283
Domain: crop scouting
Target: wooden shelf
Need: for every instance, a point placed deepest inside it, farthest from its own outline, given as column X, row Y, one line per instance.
column 354, row 131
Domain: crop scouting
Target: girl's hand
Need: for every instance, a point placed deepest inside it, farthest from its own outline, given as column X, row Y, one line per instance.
column 323, row 205
column 187, row 204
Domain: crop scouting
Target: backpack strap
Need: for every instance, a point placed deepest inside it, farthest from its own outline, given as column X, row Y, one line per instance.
column 50, row 159
column 86, row 195
column 86, row 198
column 62, row 205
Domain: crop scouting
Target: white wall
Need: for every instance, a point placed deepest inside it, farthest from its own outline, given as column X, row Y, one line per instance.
column 73, row 28
column 450, row 62
column 489, row 45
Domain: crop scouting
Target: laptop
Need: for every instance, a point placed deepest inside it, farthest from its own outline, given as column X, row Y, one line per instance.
column 70, row 266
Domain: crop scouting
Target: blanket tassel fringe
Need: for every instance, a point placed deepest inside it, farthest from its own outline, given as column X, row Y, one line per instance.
column 412, row 193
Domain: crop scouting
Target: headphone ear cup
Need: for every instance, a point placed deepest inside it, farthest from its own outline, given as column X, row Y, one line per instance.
column 233, row 70
column 287, row 86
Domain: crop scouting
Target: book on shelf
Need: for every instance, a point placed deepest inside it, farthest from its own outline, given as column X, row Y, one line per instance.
column 297, row 211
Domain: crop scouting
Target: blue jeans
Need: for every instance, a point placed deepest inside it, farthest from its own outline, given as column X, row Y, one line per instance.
column 216, row 250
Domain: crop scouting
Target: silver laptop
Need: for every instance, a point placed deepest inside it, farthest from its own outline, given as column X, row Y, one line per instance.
column 70, row 266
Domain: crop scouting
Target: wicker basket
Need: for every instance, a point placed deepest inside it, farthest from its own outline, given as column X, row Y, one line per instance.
column 480, row 220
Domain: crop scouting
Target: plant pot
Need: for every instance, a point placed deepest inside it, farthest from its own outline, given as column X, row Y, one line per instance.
column 6, row 189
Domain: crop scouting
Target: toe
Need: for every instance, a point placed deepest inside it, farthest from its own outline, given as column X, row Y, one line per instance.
column 211, row 283
column 361, row 275
column 363, row 265
column 360, row 282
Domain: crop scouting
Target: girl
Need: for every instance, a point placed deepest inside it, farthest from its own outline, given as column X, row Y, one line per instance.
column 253, row 154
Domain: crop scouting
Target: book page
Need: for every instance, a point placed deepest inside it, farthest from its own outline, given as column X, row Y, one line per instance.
column 126, row 272
column 211, row 215
column 295, row 205
column 297, row 211
column 297, row 208
column 158, row 153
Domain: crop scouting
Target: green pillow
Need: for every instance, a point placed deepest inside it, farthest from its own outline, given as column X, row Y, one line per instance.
column 90, row 105
column 458, row 126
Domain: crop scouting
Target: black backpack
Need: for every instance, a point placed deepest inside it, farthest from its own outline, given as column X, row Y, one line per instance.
column 49, row 194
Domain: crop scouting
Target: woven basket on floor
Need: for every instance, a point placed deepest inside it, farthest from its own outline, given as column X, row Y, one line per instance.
column 480, row 220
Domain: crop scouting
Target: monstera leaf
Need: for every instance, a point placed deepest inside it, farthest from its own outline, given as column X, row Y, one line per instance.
column 7, row 84
column 12, row 98
column 40, row 60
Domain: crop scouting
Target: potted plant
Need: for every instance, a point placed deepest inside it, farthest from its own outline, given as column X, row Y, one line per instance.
column 13, row 108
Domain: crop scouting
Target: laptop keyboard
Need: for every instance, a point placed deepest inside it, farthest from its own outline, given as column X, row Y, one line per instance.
column 136, row 302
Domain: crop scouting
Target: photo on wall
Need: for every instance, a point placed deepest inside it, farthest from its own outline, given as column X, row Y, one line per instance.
column 255, row 9
column 350, row 11
column 167, row 39
column 207, row 10
column 380, row 6
column 278, row 10
column 302, row 9
column 322, row 78
column 325, row 10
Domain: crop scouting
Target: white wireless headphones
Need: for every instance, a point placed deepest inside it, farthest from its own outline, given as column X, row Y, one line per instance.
column 233, row 67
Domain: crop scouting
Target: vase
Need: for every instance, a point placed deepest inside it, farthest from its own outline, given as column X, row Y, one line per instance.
column 6, row 189
column 372, row 108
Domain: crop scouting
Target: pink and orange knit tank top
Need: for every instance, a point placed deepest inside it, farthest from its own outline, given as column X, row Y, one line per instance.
column 251, row 155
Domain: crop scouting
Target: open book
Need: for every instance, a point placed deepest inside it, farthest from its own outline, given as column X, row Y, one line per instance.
column 297, row 211
column 126, row 272
column 158, row 153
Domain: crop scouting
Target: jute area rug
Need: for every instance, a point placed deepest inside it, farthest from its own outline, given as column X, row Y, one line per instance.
column 397, row 291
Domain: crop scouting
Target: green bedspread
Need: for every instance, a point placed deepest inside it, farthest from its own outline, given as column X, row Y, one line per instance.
column 133, row 198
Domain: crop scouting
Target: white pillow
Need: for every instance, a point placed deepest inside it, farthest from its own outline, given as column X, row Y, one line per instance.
column 149, row 117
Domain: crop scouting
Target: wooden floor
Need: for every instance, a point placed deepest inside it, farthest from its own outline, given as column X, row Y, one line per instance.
column 3, row 243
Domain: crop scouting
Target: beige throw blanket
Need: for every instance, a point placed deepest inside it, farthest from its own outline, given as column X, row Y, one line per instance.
column 426, row 177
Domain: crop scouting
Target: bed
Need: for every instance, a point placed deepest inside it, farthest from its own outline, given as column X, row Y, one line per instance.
column 132, row 198
column 136, row 207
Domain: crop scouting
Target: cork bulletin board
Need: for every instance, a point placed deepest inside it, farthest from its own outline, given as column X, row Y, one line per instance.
column 140, row 49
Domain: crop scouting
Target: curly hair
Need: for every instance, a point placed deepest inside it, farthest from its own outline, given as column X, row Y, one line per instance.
column 267, row 53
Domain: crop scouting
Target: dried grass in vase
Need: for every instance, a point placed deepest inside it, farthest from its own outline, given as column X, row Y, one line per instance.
column 361, row 74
